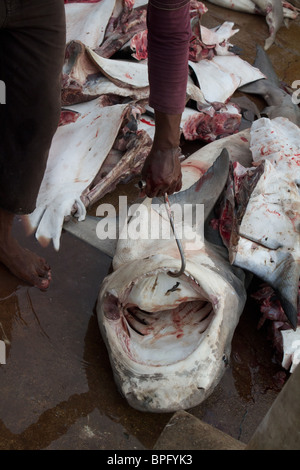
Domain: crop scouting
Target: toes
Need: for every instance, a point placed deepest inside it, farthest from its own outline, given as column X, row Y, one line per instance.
column 43, row 278
column 40, row 273
column 42, row 283
column 42, row 268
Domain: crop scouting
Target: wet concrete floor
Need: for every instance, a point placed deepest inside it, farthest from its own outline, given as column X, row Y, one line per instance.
column 57, row 389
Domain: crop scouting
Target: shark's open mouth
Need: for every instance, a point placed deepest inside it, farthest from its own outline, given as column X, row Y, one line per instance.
column 162, row 320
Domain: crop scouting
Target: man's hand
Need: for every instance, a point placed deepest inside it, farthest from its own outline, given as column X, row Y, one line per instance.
column 162, row 172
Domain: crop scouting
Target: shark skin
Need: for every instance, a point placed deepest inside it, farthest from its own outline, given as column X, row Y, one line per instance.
column 169, row 340
column 279, row 102
column 264, row 239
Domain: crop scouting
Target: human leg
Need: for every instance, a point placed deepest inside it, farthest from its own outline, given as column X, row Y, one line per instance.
column 32, row 44
column 21, row 262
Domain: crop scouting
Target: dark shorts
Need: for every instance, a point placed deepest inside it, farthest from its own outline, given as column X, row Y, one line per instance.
column 169, row 32
column 32, row 47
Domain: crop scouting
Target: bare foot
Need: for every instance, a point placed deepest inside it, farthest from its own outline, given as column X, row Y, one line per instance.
column 21, row 262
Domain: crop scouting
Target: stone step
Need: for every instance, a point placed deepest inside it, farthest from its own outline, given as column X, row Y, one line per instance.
column 278, row 430
column 186, row 432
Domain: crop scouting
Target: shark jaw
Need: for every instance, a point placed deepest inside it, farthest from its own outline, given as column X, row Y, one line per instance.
column 168, row 339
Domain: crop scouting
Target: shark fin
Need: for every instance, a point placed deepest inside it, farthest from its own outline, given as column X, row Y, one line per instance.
column 208, row 188
column 285, row 282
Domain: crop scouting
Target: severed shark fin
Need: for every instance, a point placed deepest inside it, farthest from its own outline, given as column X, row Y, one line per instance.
column 279, row 102
column 208, row 188
column 286, row 285
column 264, row 64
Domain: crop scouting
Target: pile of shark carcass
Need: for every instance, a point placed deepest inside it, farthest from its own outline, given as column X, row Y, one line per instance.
column 169, row 338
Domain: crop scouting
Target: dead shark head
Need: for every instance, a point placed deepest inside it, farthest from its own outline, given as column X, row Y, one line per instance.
column 169, row 338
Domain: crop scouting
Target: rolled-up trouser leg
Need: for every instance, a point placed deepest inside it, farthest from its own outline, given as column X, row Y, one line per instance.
column 169, row 33
column 32, row 47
